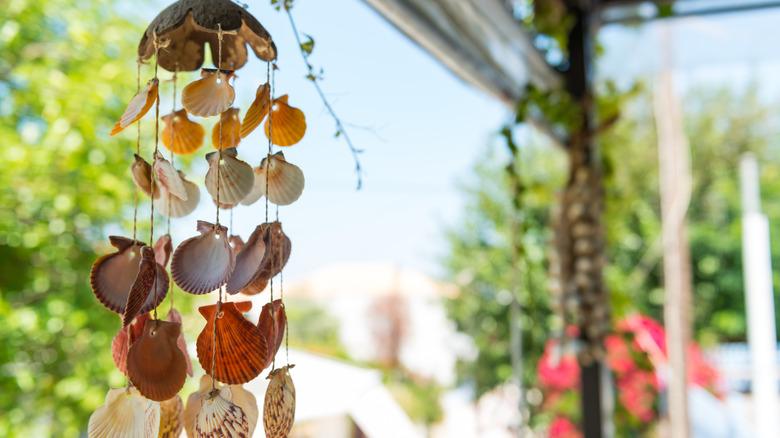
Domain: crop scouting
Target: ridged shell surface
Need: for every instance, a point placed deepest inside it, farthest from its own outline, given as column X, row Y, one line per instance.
column 124, row 338
column 173, row 206
column 202, row 264
column 139, row 105
column 180, row 134
column 285, row 125
column 227, row 132
column 155, row 364
column 284, row 181
column 257, row 111
column 171, row 418
column 272, row 324
column 168, row 177
column 210, row 95
column 248, row 261
column 125, row 413
column 235, row 177
column 218, row 417
column 279, row 406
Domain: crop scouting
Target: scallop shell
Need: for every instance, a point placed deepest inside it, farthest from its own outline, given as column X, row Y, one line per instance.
column 124, row 338
column 172, row 206
column 168, row 178
column 279, row 406
column 248, row 403
column 272, row 324
column 171, row 418
column 143, row 286
column 241, row 350
column 210, row 95
column 180, row 134
column 195, row 401
column 203, row 263
column 139, row 105
column 175, row 316
column 163, row 249
column 113, row 275
column 230, row 130
column 257, row 111
column 277, row 252
column 235, row 177
column 218, row 417
column 285, row 181
column 248, row 262
column 287, row 123
column 125, row 413
column 155, row 364
column 142, row 176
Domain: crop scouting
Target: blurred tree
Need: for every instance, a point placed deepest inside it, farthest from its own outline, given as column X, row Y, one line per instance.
column 68, row 67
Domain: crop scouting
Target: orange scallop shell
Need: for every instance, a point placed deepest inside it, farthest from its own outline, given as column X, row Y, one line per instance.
column 180, row 134
column 272, row 324
column 248, row 262
column 171, row 418
column 143, row 285
column 241, row 351
column 228, row 128
column 124, row 338
column 155, row 365
column 113, row 275
column 175, row 316
column 203, row 263
column 277, row 253
column 257, row 111
column 285, row 124
column 210, row 95
column 139, row 105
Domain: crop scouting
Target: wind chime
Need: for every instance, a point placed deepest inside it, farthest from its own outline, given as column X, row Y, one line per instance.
column 133, row 280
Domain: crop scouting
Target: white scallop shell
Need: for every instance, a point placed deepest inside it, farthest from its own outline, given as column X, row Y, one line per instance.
column 125, row 413
column 235, row 177
column 219, row 417
column 195, row 401
column 248, row 403
column 168, row 178
column 177, row 207
column 210, row 95
column 203, row 263
column 285, row 181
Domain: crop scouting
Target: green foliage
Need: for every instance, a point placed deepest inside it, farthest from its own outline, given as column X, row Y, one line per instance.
column 419, row 398
column 315, row 329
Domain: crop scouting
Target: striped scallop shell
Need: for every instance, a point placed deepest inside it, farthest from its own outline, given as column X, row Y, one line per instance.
column 112, row 276
column 203, row 263
column 138, row 107
column 257, row 111
column 173, row 206
column 143, row 285
column 248, row 403
column 210, row 95
column 195, row 402
column 180, row 134
column 285, row 181
column 235, row 177
column 155, row 364
column 125, row 413
column 142, row 176
column 227, row 132
column 219, row 417
column 285, row 125
column 279, row 406
column 242, row 352
column 272, row 324
column 171, row 418
column 248, row 262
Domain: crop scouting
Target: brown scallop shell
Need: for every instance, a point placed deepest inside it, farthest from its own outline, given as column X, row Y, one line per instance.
column 248, row 262
column 272, row 324
column 257, row 111
column 163, row 249
column 235, row 177
column 219, row 417
column 282, row 181
column 180, row 134
column 230, row 130
column 139, row 105
column 175, row 316
column 203, row 263
column 279, row 405
column 113, row 275
column 277, row 253
column 172, row 206
column 171, row 418
column 155, row 364
column 287, row 123
column 142, row 176
column 124, row 338
column 241, row 350
column 210, row 95
column 236, row 244
column 143, row 285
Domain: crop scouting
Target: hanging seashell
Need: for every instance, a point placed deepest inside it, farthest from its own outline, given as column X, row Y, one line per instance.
column 285, row 125
column 171, row 418
column 210, row 95
column 279, row 406
column 236, row 244
column 163, row 249
column 248, row 262
column 124, row 338
column 113, row 275
column 168, row 178
column 180, row 134
column 218, row 417
column 203, row 263
column 175, row 316
column 272, row 324
column 248, row 403
column 143, row 285
column 285, row 181
column 138, row 106
column 257, row 111
column 155, row 364
column 125, row 413
column 173, row 206
column 277, row 252
column 195, row 402
column 227, row 132
column 235, row 177
column 256, row 286
column 241, row 351
column 142, row 176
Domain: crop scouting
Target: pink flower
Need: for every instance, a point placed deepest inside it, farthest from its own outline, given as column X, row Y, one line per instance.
column 638, row 391
column 562, row 427
column 556, row 371
column 618, row 354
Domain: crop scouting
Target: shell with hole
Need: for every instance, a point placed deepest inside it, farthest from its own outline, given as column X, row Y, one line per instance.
column 139, row 105
column 171, row 417
column 278, row 248
column 227, row 132
column 272, row 324
column 248, row 261
column 285, row 125
column 228, row 178
column 155, row 364
column 125, row 413
column 210, row 95
column 113, row 275
column 241, row 353
column 173, row 206
column 203, row 263
column 282, row 181
column 180, row 134
column 124, row 338
column 142, row 176
column 257, row 111
column 279, row 405
column 219, row 417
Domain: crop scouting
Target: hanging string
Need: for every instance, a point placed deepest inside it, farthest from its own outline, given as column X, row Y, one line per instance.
column 270, row 75
column 154, row 157
column 137, row 149
column 173, row 165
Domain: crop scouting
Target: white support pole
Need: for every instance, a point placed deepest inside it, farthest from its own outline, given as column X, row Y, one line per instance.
column 757, row 266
